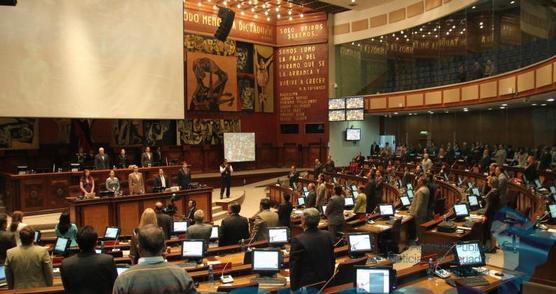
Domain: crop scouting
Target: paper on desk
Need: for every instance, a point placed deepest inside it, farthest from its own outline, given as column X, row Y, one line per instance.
column 213, row 262
column 383, row 226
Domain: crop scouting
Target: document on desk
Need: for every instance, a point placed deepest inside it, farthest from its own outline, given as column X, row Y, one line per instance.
column 382, row 226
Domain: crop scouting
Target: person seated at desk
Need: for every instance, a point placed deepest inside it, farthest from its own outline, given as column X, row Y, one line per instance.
column 234, row 227
column 312, row 253
column 153, row 274
column 147, row 157
column 284, row 211
column 87, row 271
column 65, row 229
column 135, row 182
column 7, row 239
column 87, row 184
column 163, row 220
column 419, row 207
column 102, row 160
column 122, row 159
column 184, row 176
column 190, row 210
column 112, row 183
column 161, row 182
column 28, row 265
column 335, row 212
column 264, row 219
column 360, row 201
column 148, row 217
column 293, row 176
column 199, row 230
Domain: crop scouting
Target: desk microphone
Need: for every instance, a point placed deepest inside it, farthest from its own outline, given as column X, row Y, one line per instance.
column 443, row 256
column 339, row 241
column 226, row 279
column 331, row 278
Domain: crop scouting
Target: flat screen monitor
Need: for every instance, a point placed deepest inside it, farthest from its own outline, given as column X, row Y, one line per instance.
column 354, row 193
column 475, row 191
column 278, row 235
column 386, row 210
column 405, row 201
column 460, row 181
column 179, row 227
column 552, row 210
column 266, row 260
column 376, row 280
column 461, row 210
column 111, row 233
column 2, row 274
column 214, row 233
column 469, row 253
column 470, row 185
column 192, row 249
column 306, row 193
column 337, row 115
column 410, row 194
column 473, row 201
column 301, row 201
column 98, row 250
column 360, row 242
column 538, row 183
column 121, row 269
column 348, row 201
column 62, row 245
column 354, row 188
column 336, row 103
column 409, row 186
column 355, row 102
column 353, row 134
column 355, row 114
column 553, row 189
column 37, row 238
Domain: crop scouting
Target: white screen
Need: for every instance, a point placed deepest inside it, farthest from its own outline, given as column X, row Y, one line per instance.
column 360, row 243
column 180, row 227
column 373, row 280
column 37, row 236
column 61, row 244
column 348, row 201
column 354, row 193
column 553, row 189
column 192, row 249
column 469, row 254
column 98, row 251
column 111, row 233
column 278, row 235
column 214, row 233
column 353, row 188
column 92, row 59
column 410, row 193
column 355, row 102
column 121, row 270
column 2, row 273
column 355, row 114
column 336, row 103
column 386, row 209
column 461, row 210
column 473, row 201
column 266, row 260
column 336, row 115
column 300, row 201
column 552, row 208
column 239, row 147
column 353, row 134
column 409, row 187
column 405, row 201
column 476, row 191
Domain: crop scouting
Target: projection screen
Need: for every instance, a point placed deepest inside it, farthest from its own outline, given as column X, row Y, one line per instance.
column 239, row 147
column 92, row 59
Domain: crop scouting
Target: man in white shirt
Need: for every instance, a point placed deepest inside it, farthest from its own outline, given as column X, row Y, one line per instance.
column 426, row 163
column 226, row 171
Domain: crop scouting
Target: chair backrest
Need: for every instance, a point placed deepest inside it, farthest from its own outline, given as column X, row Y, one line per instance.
column 345, row 271
column 252, row 287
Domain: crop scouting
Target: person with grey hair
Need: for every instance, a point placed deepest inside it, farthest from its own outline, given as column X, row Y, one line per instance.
column 153, row 274
column 102, row 160
column 199, row 230
column 492, row 199
column 310, row 250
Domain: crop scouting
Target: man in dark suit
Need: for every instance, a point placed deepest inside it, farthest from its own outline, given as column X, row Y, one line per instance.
column 234, row 227
column 122, row 159
column 161, row 181
column 311, row 200
column 502, row 186
column 312, row 253
column 87, row 271
column 184, row 176
column 147, row 157
column 317, row 170
column 370, row 190
column 7, row 239
column 285, row 211
column 162, row 219
column 226, row 171
column 293, row 176
column 102, row 160
column 335, row 212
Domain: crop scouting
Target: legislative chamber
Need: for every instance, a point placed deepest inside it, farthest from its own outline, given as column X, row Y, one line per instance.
column 278, row 146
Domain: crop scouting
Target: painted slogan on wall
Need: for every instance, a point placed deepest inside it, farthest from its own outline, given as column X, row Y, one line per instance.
column 303, row 82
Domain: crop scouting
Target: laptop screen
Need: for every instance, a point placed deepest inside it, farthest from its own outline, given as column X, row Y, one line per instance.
column 214, row 233
column 348, row 201
column 405, row 201
column 300, row 201
column 461, row 210
column 180, row 227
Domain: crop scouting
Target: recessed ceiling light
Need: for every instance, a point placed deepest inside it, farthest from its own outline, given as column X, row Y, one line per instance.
column 473, row 7
column 465, row 110
column 502, row 107
column 505, row 104
column 550, row 99
column 395, row 113
column 544, row 104
column 512, row 2
column 534, row 104
column 490, row 108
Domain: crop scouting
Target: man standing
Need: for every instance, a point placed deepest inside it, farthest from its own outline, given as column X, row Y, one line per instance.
column 317, row 170
column 500, row 155
column 370, row 192
column 285, row 211
column 153, row 274
column 419, row 206
column 330, row 166
column 426, row 163
column 7, row 239
column 234, row 227
column 311, row 200
column 161, row 182
column 28, row 265
column 321, row 193
column 135, row 182
column 293, row 176
column 335, row 212
column 199, row 230
column 102, row 161
column 163, row 220
column 88, row 272
column 122, row 159
column 502, row 186
column 312, row 253
column 184, row 176
column 264, row 219
column 226, row 171
column 147, row 157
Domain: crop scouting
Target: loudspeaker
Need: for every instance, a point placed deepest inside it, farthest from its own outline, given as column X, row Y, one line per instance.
column 226, row 16
column 8, row 2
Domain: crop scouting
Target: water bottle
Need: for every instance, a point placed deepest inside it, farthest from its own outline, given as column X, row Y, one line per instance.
column 242, row 245
column 210, row 275
column 430, row 270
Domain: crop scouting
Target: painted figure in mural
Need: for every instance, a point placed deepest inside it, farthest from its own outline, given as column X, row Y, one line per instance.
column 263, row 77
column 211, row 82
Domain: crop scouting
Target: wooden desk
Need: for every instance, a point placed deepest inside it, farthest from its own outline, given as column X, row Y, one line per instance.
column 380, row 227
column 125, row 211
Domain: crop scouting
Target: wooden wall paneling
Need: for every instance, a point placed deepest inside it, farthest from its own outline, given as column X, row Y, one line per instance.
column 129, row 214
column 58, row 191
column 290, row 155
column 543, row 76
column 97, row 216
column 194, row 157
column 33, row 194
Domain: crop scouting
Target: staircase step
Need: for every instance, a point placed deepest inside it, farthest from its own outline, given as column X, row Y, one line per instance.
column 216, row 209
column 218, row 216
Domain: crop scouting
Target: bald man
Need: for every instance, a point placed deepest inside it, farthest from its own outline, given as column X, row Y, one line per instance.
column 163, row 220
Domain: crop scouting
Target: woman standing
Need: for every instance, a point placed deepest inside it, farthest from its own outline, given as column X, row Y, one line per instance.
column 112, row 183
column 87, row 184
column 147, row 218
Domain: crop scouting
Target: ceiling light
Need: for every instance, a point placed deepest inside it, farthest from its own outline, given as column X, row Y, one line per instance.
column 473, row 7
column 544, row 104
column 512, row 2
column 534, row 104
column 290, row 18
column 490, row 108
column 550, row 99
column 502, row 107
column 301, row 15
column 505, row 104
column 395, row 113
column 465, row 110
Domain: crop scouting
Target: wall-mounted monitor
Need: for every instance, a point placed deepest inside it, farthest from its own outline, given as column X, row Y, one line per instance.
column 355, row 114
column 353, row 134
column 337, row 115
column 355, row 102
column 239, row 147
column 336, row 103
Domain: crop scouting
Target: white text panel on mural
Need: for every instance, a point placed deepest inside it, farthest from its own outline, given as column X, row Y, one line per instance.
column 92, row 59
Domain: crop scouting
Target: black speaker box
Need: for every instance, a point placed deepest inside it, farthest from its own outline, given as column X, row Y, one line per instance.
column 226, row 16
column 8, row 2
